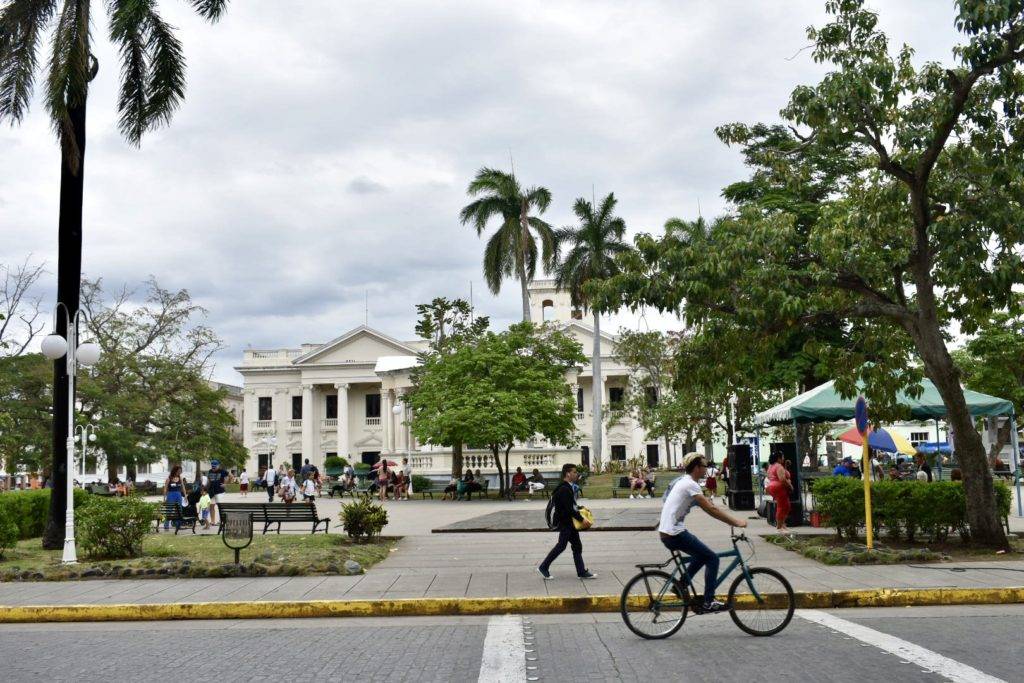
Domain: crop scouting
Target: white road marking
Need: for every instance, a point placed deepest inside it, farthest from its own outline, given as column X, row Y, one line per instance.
column 504, row 657
column 908, row 653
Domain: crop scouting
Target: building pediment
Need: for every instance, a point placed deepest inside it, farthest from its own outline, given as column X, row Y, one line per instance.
column 361, row 345
column 371, row 440
column 584, row 334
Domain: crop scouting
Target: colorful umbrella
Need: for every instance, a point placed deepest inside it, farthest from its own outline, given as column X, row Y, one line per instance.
column 391, row 463
column 879, row 439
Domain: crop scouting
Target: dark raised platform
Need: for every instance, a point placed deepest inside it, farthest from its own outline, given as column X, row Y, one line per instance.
column 616, row 519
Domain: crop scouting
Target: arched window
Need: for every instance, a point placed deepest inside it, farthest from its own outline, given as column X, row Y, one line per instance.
column 545, row 306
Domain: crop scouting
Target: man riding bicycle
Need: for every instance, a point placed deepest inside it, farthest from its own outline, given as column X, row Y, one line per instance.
column 684, row 494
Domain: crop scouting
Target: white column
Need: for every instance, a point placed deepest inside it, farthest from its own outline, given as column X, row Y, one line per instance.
column 281, row 405
column 386, row 421
column 401, row 438
column 342, row 419
column 307, row 421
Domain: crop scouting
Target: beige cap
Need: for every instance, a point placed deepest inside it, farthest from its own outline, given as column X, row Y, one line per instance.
column 689, row 458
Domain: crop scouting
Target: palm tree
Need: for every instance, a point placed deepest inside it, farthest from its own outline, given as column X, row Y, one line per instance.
column 152, row 87
column 592, row 248
column 512, row 249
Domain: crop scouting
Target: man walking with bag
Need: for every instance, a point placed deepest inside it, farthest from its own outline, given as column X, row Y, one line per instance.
column 564, row 506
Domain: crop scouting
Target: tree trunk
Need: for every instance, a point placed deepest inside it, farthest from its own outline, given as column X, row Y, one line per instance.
column 505, row 477
column 1002, row 438
column 131, row 472
column 111, row 469
column 986, row 527
column 668, row 452
column 495, row 449
column 730, row 428
column 457, row 460
column 597, row 387
column 524, row 237
column 69, row 278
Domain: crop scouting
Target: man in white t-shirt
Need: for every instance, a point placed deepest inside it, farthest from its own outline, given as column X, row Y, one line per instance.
column 686, row 493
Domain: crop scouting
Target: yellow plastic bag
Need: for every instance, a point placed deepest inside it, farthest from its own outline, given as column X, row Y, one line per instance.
column 586, row 515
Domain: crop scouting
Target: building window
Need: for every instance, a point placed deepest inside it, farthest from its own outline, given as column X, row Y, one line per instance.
column 265, row 408
column 618, row 452
column 143, row 468
column 579, row 400
column 918, row 437
column 546, row 307
column 332, row 406
column 651, row 396
column 373, row 405
column 652, row 455
column 296, row 407
column 616, row 397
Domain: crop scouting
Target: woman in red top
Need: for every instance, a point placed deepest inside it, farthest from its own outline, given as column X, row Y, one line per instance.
column 779, row 487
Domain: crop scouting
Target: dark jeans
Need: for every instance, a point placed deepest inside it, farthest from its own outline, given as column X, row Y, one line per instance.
column 702, row 556
column 270, row 494
column 567, row 535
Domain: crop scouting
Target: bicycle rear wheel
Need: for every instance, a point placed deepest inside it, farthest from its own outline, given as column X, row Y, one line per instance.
column 645, row 613
column 767, row 612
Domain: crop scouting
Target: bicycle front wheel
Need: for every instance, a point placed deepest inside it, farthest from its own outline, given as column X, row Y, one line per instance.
column 653, row 605
column 765, row 610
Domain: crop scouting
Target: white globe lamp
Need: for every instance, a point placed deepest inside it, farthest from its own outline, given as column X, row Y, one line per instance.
column 88, row 354
column 54, row 346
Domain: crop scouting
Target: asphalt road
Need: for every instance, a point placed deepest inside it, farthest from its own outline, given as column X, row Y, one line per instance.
column 905, row 644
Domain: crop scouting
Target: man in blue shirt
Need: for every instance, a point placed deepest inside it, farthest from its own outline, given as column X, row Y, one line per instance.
column 844, row 468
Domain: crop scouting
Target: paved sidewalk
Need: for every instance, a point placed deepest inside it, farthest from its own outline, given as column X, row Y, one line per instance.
column 504, row 565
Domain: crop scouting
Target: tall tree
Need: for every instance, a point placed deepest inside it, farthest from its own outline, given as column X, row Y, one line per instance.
column 500, row 390
column 922, row 227
column 152, row 87
column 25, row 420
column 512, row 249
column 592, row 248
column 21, row 317
column 448, row 325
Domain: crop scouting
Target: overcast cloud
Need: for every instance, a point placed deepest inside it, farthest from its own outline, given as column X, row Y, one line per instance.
column 324, row 146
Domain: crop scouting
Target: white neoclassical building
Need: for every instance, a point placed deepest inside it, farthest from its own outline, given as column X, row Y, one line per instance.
column 340, row 397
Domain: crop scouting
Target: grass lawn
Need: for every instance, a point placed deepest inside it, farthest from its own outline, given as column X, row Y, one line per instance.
column 186, row 555
column 834, row 551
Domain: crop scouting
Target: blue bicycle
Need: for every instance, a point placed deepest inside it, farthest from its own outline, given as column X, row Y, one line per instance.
column 655, row 602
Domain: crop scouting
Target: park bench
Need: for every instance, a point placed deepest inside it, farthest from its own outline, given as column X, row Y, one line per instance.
column 435, row 487
column 481, row 492
column 99, row 490
column 625, row 490
column 177, row 515
column 276, row 513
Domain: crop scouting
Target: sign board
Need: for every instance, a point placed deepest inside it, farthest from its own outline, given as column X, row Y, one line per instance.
column 860, row 413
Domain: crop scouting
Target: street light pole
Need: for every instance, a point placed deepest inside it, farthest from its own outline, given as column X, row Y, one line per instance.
column 85, row 434
column 53, row 347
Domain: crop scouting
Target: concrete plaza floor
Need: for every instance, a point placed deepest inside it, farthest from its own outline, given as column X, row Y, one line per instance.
column 426, row 564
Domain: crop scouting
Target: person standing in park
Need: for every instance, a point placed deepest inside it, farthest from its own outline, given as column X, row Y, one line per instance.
column 407, row 471
column 564, row 503
column 305, row 470
column 243, row 484
column 779, row 487
column 174, row 492
column 383, row 479
column 923, row 466
column 287, row 489
column 686, row 493
column 216, row 478
column 270, row 481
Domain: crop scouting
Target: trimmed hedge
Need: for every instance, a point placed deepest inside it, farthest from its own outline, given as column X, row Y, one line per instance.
column 903, row 509
column 114, row 528
column 29, row 509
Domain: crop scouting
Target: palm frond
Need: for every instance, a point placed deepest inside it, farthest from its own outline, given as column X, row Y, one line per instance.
column 68, row 79
column 548, row 242
column 166, row 86
column 529, row 256
column 21, row 22
column 494, row 181
column 128, row 24
column 211, row 10
column 498, row 257
column 539, row 197
column 482, row 210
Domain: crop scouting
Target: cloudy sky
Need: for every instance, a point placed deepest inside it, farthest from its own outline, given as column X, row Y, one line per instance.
column 325, row 145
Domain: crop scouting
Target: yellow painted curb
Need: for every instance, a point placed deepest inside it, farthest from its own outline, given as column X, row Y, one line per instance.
column 878, row 597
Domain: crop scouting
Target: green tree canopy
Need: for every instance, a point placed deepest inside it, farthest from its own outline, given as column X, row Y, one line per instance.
column 891, row 201
column 502, row 389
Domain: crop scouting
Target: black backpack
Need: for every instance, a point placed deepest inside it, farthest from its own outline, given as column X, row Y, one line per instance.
column 549, row 512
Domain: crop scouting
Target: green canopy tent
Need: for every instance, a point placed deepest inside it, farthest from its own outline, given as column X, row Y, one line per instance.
column 824, row 404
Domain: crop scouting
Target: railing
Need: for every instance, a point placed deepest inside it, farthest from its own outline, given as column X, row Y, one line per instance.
column 422, row 462
column 294, row 424
column 329, row 423
column 476, row 461
column 580, row 415
column 263, row 426
column 277, row 354
column 373, row 422
column 538, row 459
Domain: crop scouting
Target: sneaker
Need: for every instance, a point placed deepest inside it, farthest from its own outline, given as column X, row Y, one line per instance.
column 712, row 607
column 632, row 497
column 545, row 573
column 588, row 575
